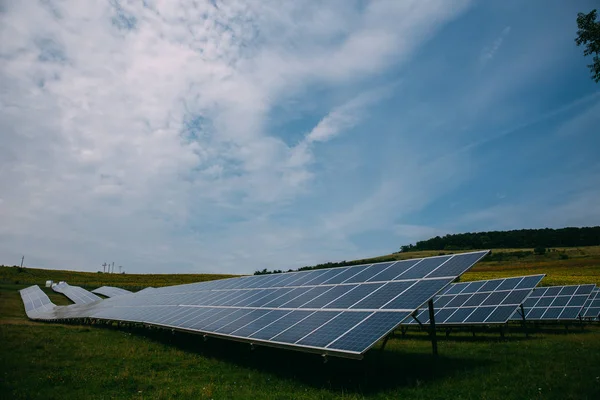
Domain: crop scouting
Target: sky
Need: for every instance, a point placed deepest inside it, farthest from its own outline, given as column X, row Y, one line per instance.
column 198, row 136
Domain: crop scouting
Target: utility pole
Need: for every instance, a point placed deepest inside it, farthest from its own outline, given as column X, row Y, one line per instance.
column 22, row 258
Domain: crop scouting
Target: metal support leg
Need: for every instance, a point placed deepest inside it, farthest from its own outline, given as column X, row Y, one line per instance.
column 385, row 340
column 523, row 321
column 432, row 328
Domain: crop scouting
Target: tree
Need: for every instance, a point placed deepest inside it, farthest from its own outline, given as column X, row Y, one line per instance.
column 588, row 34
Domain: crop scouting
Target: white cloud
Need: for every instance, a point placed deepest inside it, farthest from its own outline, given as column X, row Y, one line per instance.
column 346, row 116
column 98, row 149
column 488, row 52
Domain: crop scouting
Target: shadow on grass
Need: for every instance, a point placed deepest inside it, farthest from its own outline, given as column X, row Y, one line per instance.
column 378, row 371
column 492, row 334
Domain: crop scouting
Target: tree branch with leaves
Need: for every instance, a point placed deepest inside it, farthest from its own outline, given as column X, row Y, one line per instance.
column 588, row 34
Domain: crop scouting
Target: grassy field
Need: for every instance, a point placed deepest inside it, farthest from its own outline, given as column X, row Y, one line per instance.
column 45, row 361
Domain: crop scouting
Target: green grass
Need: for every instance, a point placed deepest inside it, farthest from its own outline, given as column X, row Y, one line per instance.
column 46, row 360
column 92, row 280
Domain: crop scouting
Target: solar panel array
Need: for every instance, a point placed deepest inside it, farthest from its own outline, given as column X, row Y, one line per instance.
column 592, row 305
column 555, row 303
column 110, row 291
column 76, row 294
column 342, row 311
column 479, row 302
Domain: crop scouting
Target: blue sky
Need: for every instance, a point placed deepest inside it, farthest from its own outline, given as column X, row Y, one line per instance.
column 235, row 136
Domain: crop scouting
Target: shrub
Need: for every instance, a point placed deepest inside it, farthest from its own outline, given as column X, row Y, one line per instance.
column 540, row 250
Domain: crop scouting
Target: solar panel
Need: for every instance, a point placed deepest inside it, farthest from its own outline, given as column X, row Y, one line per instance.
column 37, row 303
column 75, row 293
column 479, row 302
column 110, row 291
column 555, row 303
column 339, row 311
column 592, row 305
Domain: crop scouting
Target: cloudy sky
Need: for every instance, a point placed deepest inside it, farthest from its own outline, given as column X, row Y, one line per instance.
column 230, row 136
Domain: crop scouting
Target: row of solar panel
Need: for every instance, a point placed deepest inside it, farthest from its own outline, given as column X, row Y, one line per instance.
column 75, row 293
column 341, row 330
column 496, row 301
column 110, row 291
column 433, row 267
column 404, row 295
column 217, row 307
column 592, row 306
column 556, row 303
column 479, row 302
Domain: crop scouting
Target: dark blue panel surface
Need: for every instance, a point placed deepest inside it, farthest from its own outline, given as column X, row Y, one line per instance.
column 544, row 301
column 460, row 315
column 368, row 273
column 275, row 293
column 516, row 296
column 476, row 299
column 305, row 277
column 441, row 315
column 330, row 273
column 333, row 293
column 280, row 325
column 495, row 298
column 570, row 313
column 534, row 313
column 529, row 282
column 193, row 318
column 393, row 271
column 201, row 323
column 253, row 295
column 244, row 320
column 355, row 295
column 552, row 313
column 306, row 297
column 341, row 277
column 501, row 314
column 309, row 324
column 577, row 300
column 369, row 331
column 457, row 265
column 259, row 323
column 480, row 314
column 458, row 300
column 509, row 284
column 333, row 329
column 560, row 301
column 568, row 290
column 474, row 287
column 553, row 291
column 490, row 286
column 383, row 295
column 442, row 301
column 278, row 301
column 418, row 294
column 226, row 319
column 423, row 268
column 456, row 288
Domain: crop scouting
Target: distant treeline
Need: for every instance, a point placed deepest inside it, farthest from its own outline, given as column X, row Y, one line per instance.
column 519, row 239
column 327, row 265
